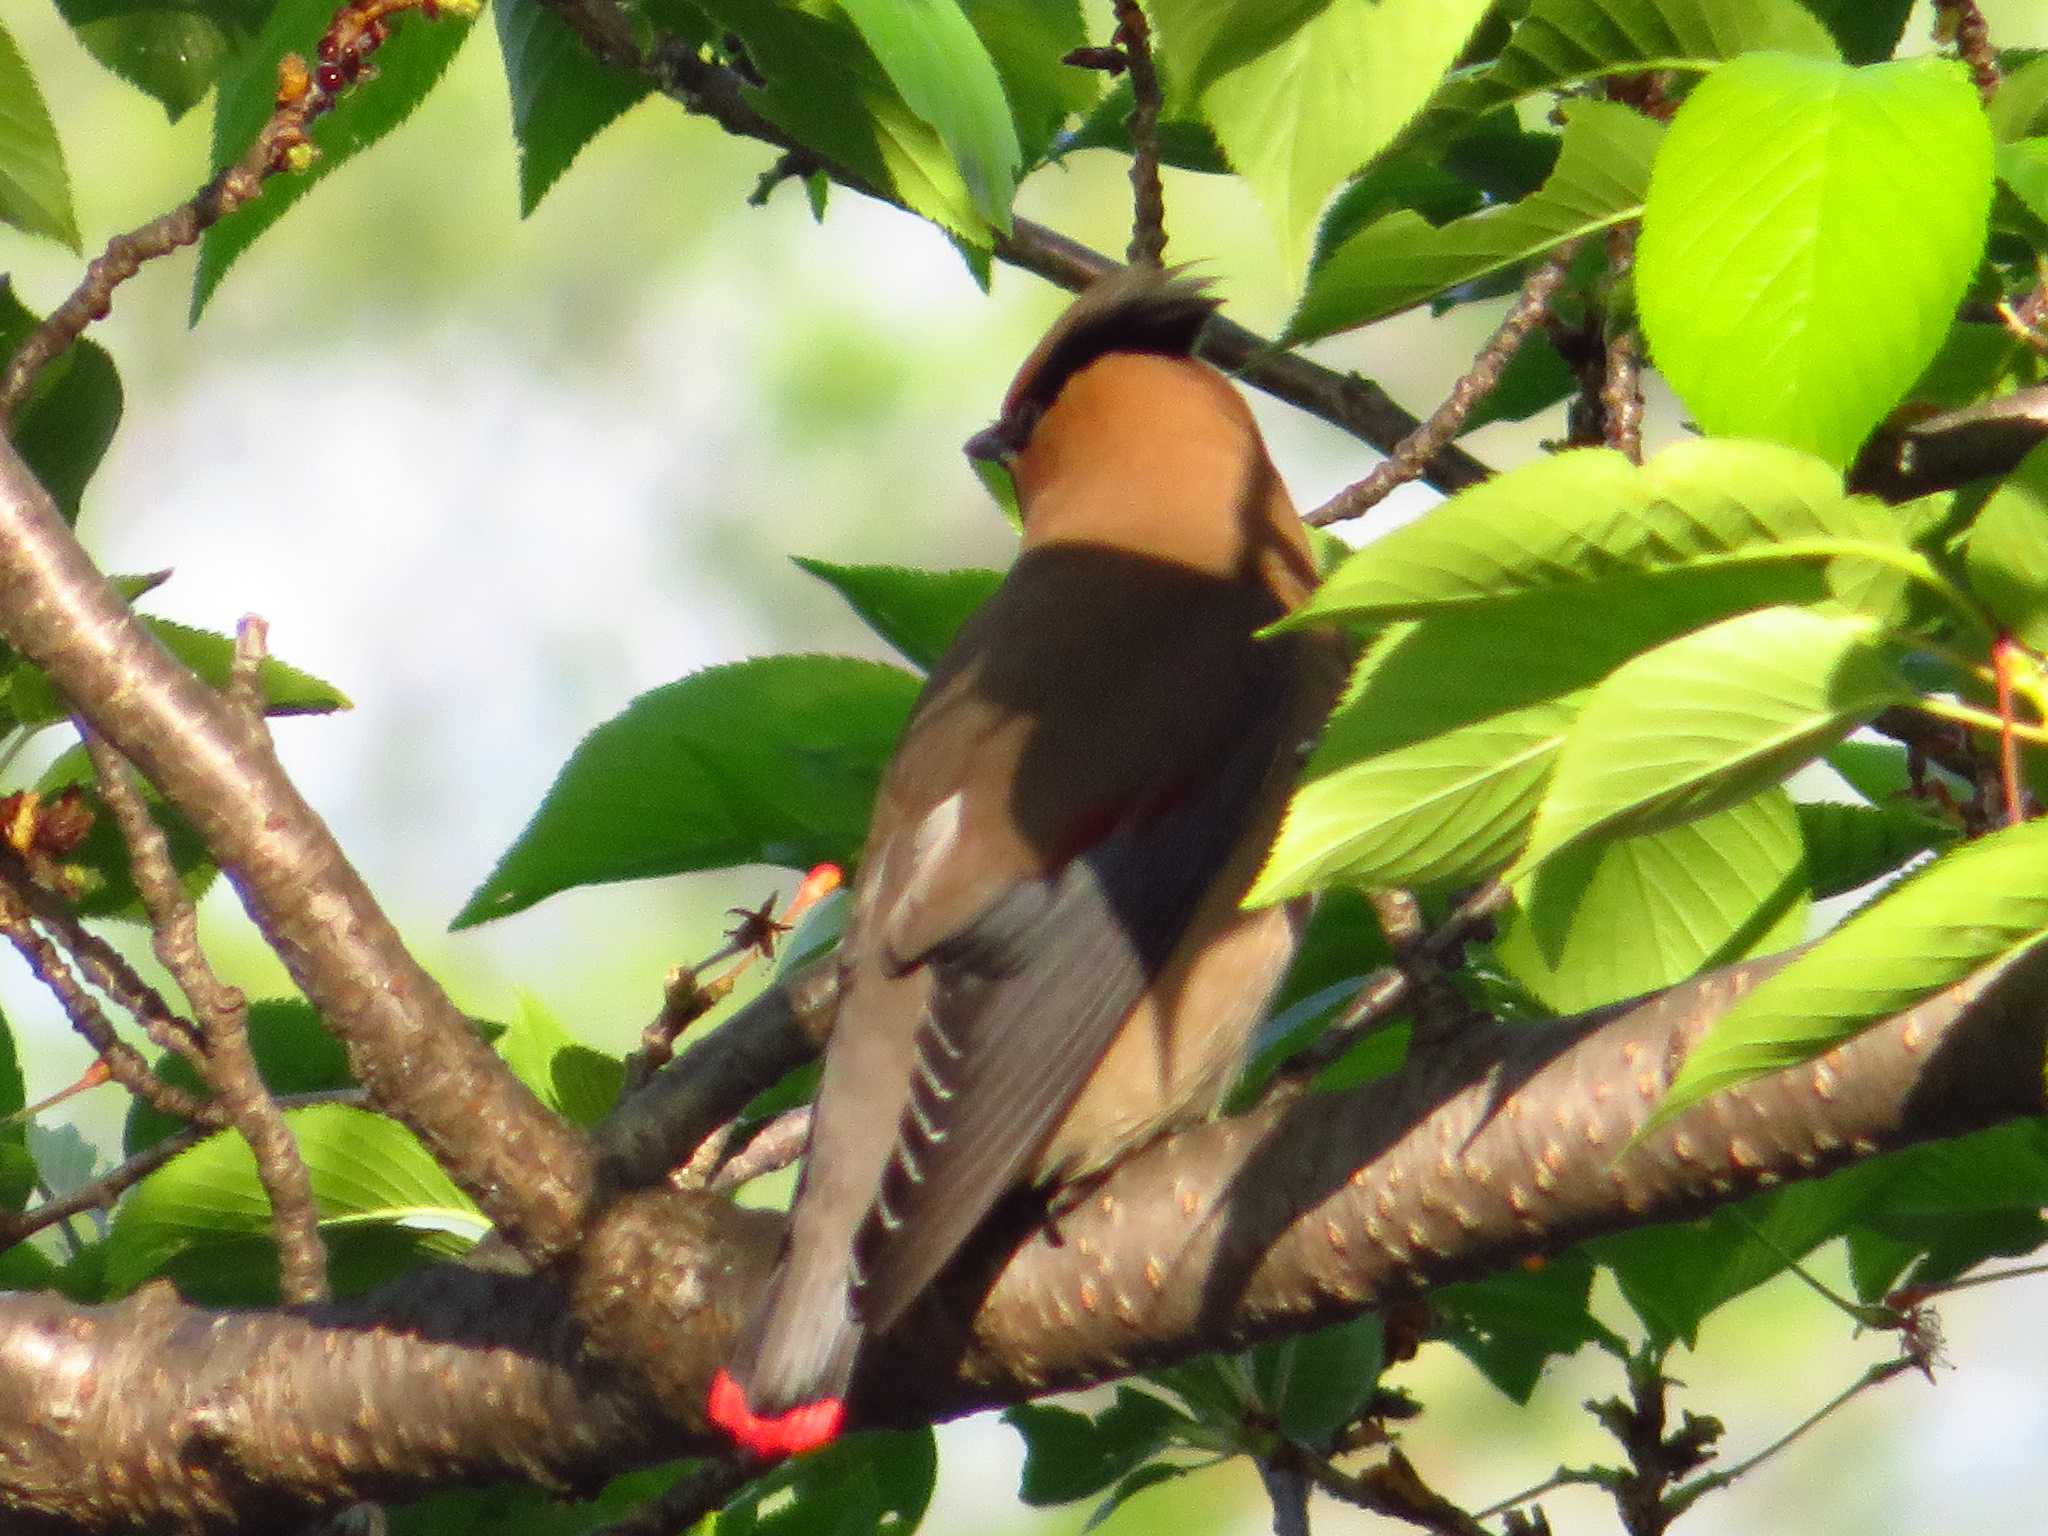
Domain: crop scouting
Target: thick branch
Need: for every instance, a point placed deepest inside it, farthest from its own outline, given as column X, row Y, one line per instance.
column 408, row 1044
column 1277, row 1221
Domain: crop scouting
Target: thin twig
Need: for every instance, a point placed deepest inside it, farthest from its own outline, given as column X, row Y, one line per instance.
column 1962, row 23
column 1621, row 384
column 1287, row 1491
column 245, row 670
column 770, row 1149
column 1433, row 436
column 703, row 1488
column 101, row 1193
column 228, row 1062
column 1148, row 198
column 1393, row 1489
column 283, row 144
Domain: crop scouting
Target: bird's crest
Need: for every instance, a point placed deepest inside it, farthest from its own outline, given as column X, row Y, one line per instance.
column 1139, row 308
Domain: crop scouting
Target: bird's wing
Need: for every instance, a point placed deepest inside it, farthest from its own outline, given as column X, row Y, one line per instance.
column 1027, row 996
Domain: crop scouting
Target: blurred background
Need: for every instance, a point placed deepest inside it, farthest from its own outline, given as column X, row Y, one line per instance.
column 495, row 477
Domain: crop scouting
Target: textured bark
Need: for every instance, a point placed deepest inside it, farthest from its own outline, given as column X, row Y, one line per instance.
column 1287, row 1218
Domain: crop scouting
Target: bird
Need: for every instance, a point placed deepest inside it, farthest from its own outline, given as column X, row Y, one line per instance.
column 1046, row 963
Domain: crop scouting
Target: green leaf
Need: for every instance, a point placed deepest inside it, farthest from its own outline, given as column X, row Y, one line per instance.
column 2007, row 553
column 408, row 66
column 1674, row 1276
column 943, row 71
column 2023, row 167
column 64, row 426
column 1564, row 42
column 294, row 1051
column 1981, row 904
column 1198, row 40
column 1069, row 1455
column 563, row 95
column 861, row 1485
column 1184, row 143
column 1949, row 1205
column 367, row 1172
column 1511, row 1324
column 286, row 689
column 827, row 90
column 1602, row 175
column 1315, row 1384
column 1769, row 276
column 772, row 761
column 1590, row 515
column 35, row 193
column 1848, row 846
column 1611, row 920
column 17, row 1166
column 1301, row 117
column 1028, row 43
column 2020, row 109
column 1432, row 766
column 171, row 49
column 1867, row 30
column 578, row 1082
column 1710, row 718
column 917, row 612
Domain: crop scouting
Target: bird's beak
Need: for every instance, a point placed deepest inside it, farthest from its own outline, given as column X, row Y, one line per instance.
column 992, row 444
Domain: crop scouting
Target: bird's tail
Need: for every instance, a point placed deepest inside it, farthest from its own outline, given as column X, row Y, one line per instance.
column 784, row 1391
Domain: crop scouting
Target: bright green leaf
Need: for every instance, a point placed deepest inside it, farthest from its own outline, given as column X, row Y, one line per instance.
column 286, row 689
column 575, row 1080
column 1980, row 904
column 1198, row 40
column 409, row 65
column 1590, row 515
column 1848, row 846
column 1300, row 118
column 2020, row 109
column 1708, row 719
column 943, row 71
column 1028, row 44
column 1601, row 178
column 1688, row 898
column 772, row 761
column 2023, row 167
column 35, row 194
column 917, row 612
column 295, row 1053
column 1772, row 286
column 64, row 426
column 1564, row 42
column 563, row 96
column 2007, row 554
column 366, row 1171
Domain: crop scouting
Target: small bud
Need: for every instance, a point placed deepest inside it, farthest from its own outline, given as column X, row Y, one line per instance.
column 300, row 157
column 329, row 78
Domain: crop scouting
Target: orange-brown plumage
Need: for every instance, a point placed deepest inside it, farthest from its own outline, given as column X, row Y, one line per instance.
column 1046, row 963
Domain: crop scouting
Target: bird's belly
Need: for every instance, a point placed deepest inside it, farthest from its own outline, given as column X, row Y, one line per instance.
column 1178, row 1052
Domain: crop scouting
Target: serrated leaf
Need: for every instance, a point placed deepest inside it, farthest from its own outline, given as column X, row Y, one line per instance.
column 286, row 689
column 1433, row 764
column 1981, row 904
column 917, row 612
column 942, row 70
column 563, row 95
column 1511, row 1324
column 1029, row 44
column 827, row 90
column 1198, row 40
column 1601, row 178
column 1772, row 286
column 2007, row 553
column 1069, row 1455
column 366, row 1171
column 35, row 192
column 577, row 1081
column 409, row 65
column 1564, row 42
column 1315, row 1384
column 173, row 50
column 772, row 761
column 1300, row 117
column 1590, row 515
column 64, row 426
column 1848, row 846
column 1708, row 719
column 1612, row 920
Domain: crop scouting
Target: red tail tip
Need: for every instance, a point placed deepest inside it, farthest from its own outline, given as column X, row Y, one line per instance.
column 770, row 1436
